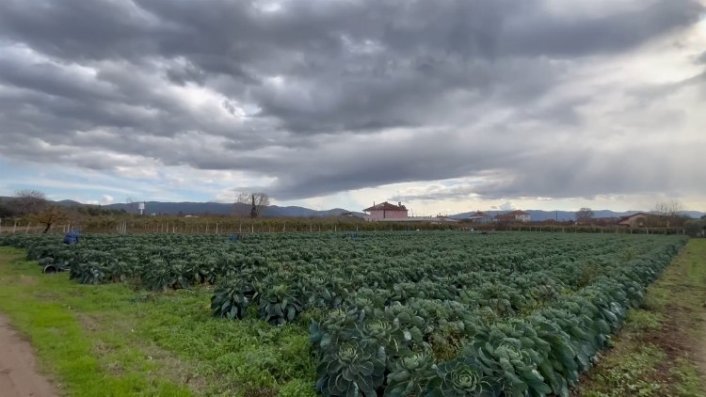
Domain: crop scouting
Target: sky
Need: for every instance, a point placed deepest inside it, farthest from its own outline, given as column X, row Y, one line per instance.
column 448, row 106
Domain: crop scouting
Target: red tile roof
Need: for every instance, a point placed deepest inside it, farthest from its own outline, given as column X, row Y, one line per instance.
column 385, row 206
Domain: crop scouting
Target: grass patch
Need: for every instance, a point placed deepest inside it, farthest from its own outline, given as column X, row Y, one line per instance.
column 660, row 350
column 640, row 319
column 111, row 340
column 632, row 374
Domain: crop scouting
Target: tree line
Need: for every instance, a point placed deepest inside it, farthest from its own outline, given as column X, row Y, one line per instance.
column 33, row 206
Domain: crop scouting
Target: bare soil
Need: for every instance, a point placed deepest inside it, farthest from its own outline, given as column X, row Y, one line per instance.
column 19, row 376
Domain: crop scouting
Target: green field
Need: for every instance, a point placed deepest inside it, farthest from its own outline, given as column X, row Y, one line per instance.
column 661, row 350
column 403, row 313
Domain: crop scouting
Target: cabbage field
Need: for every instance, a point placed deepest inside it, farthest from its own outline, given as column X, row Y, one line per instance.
column 401, row 313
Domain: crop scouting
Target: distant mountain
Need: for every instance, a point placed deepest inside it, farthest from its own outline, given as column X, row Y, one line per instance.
column 195, row 208
column 693, row 214
column 169, row 208
column 70, row 203
column 210, row 208
column 562, row 216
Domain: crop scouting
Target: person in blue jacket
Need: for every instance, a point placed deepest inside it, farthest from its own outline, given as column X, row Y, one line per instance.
column 72, row 237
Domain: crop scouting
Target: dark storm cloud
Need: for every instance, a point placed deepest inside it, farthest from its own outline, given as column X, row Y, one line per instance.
column 314, row 94
column 587, row 174
column 579, row 173
column 575, row 35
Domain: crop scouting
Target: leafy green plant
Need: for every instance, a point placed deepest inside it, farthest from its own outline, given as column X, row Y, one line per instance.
column 278, row 305
column 231, row 299
column 351, row 370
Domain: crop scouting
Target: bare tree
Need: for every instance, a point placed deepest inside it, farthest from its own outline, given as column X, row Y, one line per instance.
column 50, row 215
column 669, row 213
column 584, row 215
column 241, row 206
column 29, row 201
column 256, row 202
column 668, row 208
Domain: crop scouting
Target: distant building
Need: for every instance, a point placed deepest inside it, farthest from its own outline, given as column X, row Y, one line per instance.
column 386, row 211
column 635, row 220
column 479, row 218
column 514, row 216
column 349, row 214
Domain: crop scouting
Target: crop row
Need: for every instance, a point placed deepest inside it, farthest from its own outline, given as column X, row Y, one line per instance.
column 432, row 313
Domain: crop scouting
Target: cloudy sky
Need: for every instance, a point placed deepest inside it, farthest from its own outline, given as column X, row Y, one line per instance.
column 448, row 105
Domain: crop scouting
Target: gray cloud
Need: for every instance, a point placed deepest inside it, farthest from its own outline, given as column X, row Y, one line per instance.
column 323, row 96
column 577, row 35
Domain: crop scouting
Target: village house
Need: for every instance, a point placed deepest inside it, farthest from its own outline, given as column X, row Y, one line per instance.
column 635, row 220
column 479, row 217
column 386, row 211
column 514, row 216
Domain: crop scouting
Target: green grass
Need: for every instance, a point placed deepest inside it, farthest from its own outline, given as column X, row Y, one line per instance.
column 111, row 340
column 661, row 348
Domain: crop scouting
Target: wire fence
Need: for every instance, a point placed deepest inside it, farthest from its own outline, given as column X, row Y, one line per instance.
column 284, row 226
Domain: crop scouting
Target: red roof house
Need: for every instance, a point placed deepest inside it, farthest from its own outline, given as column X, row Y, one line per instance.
column 386, row 210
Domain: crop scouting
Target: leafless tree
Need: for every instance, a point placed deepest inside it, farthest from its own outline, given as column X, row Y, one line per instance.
column 241, row 206
column 668, row 208
column 29, row 201
column 584, row 215
column 255, row 201
column 50, row 215
column 669, row 213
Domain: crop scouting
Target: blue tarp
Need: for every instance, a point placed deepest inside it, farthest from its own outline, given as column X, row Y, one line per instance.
column 71, row 237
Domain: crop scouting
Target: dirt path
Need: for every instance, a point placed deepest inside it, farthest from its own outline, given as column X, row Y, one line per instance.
column 18, row 370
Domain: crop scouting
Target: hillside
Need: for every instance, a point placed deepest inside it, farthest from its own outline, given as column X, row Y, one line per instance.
column 211, row 208
column 275, row 211
column 562, row 216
